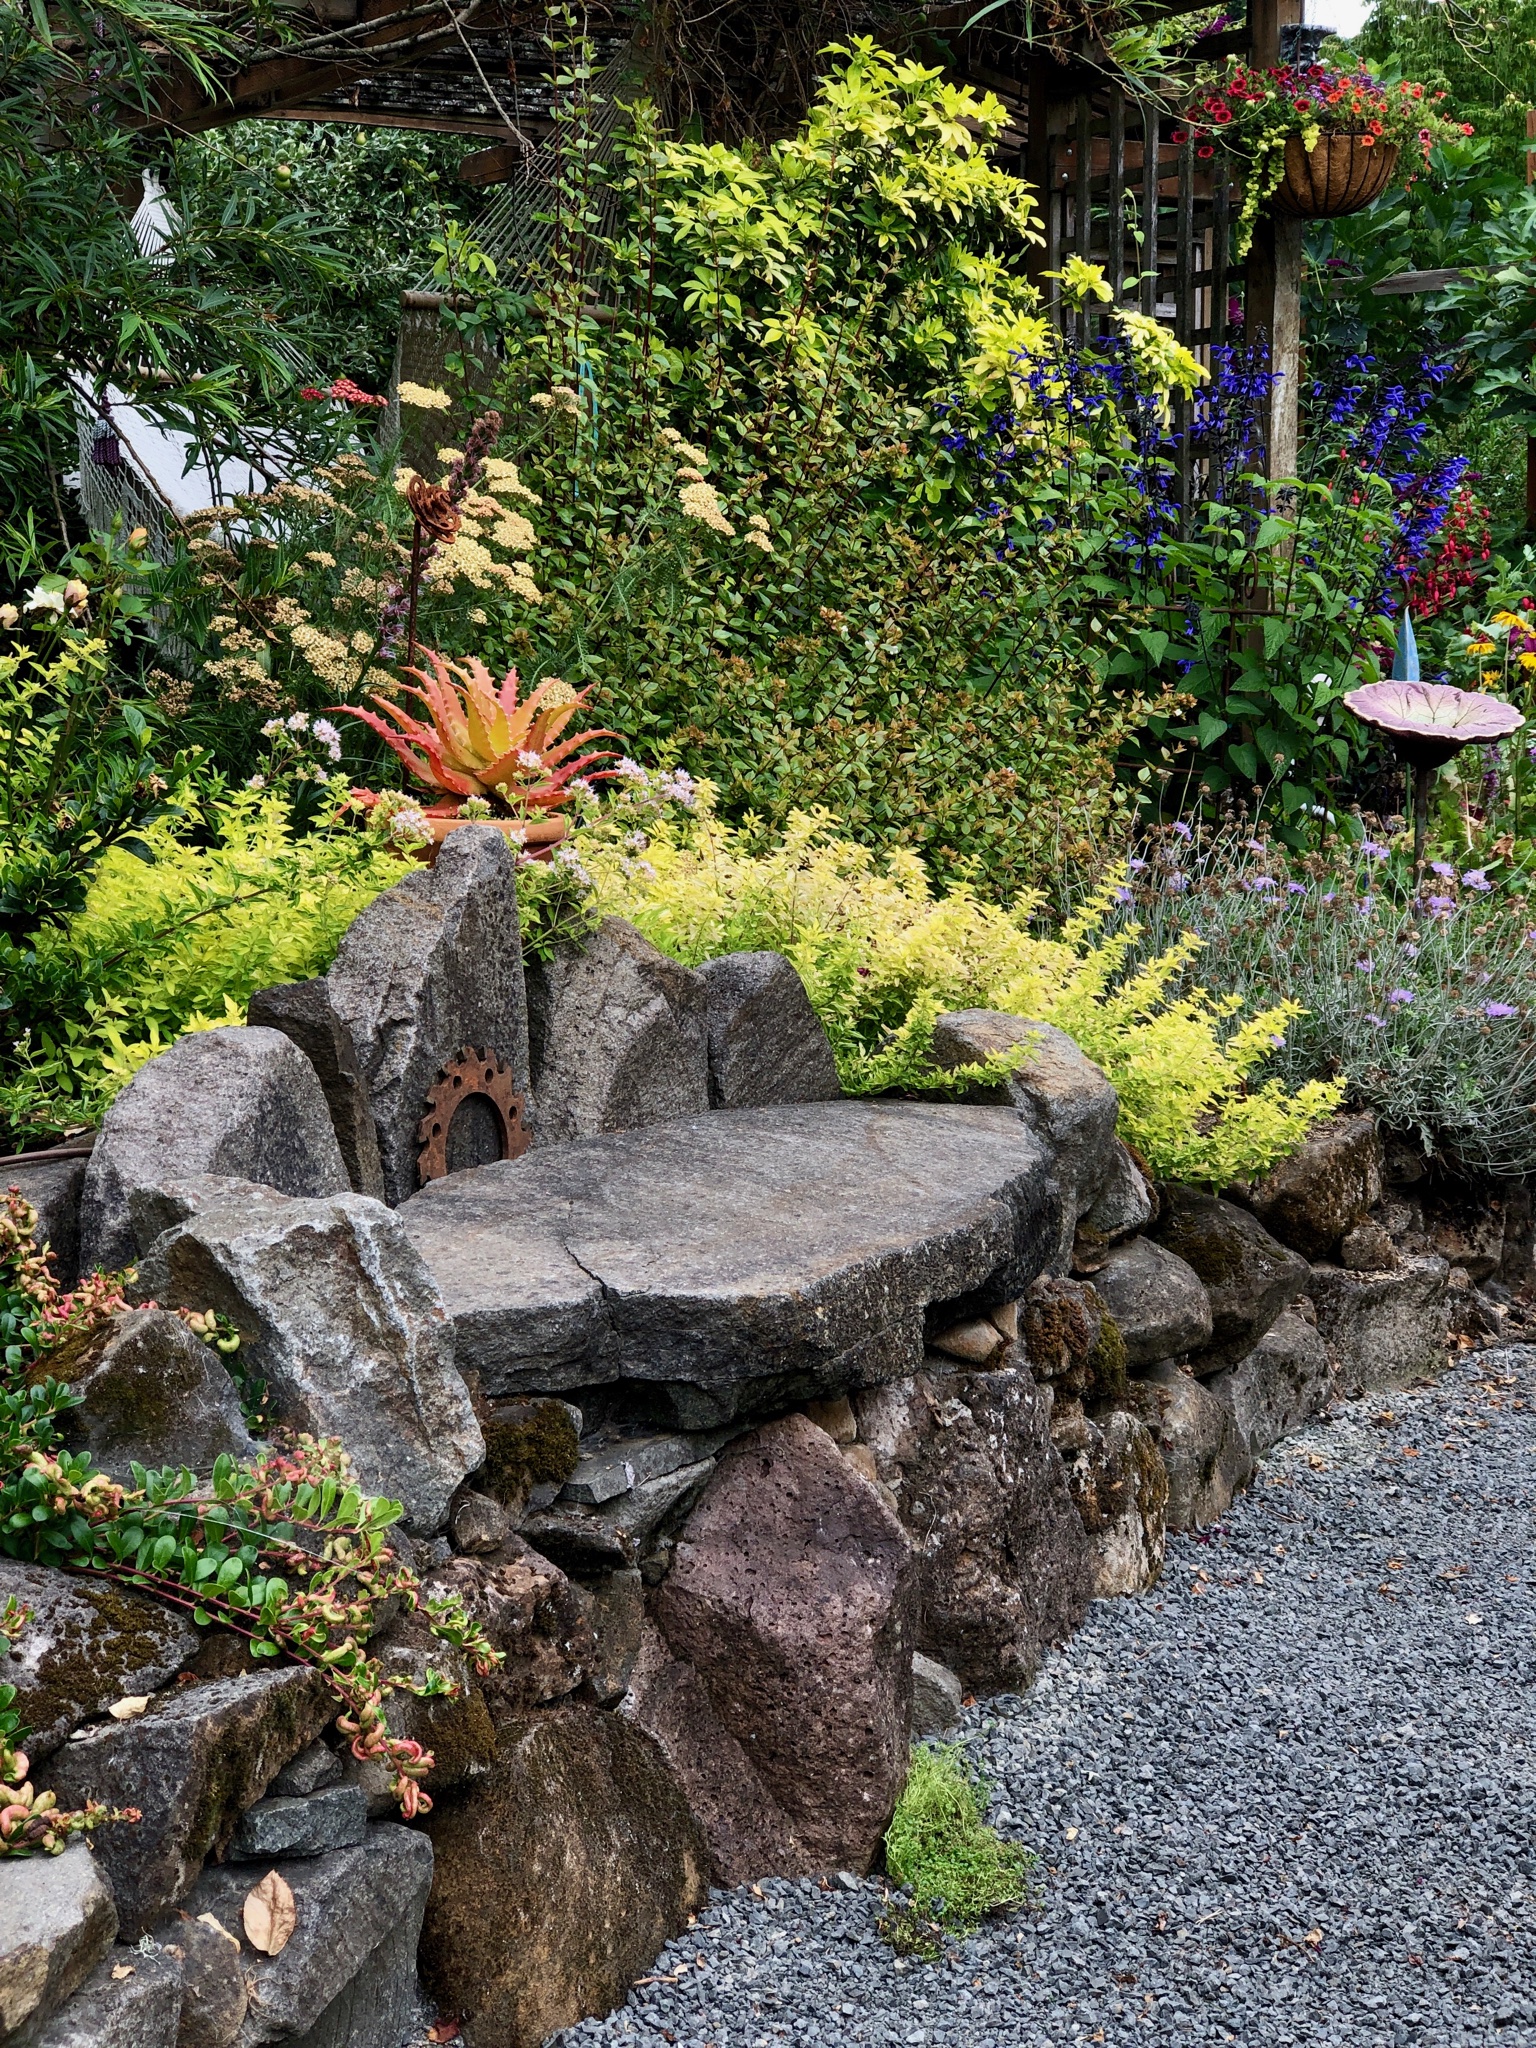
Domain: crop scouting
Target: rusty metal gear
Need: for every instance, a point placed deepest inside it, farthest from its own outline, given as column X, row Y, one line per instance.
column 474, row 1072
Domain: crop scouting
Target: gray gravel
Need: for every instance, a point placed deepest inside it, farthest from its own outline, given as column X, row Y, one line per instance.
column 1287, row 1797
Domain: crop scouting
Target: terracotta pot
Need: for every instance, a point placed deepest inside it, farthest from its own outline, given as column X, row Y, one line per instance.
column 540, row 835
column 1340, row 176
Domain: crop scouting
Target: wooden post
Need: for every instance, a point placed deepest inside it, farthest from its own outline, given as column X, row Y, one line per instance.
column 1272, row 294
column 1530, row 445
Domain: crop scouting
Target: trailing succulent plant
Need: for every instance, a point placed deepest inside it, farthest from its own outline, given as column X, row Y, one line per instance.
column 283, row 1550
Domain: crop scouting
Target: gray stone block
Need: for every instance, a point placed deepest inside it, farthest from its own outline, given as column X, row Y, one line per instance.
column 614, row 1465
column 619, row 1037
column 1158, row 1301
column 433, row 965
column 141, row 2008
column 304, row 1012
column 1311, row 1199
column 213, row 1996
column 937, row 1697
column 151, row 1391
column 1203, row 1450
column 341, row 1319
column 191, row 1764
column 1383, row 1329
column 347, row 1978
column 57, row 1921
column 1284, row 1381
column 53, row 1186
column 786, row 1253
column 1248, row 1275
column 232, row 1101
column 273, row 1828
column 87, row 1644
column 766, row 1043
column 311, row 1771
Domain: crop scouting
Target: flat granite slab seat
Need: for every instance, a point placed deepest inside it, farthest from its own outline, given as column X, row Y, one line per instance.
column 739, row 1257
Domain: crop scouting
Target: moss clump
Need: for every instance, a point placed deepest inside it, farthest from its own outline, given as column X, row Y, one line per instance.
column 528, row 1444
column 939, row 1846
column 1107, row 1374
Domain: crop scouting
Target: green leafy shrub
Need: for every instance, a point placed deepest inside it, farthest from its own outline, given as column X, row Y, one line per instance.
column 940, row 1848
column 882, row 954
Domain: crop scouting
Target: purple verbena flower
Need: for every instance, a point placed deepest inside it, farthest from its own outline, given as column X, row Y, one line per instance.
column 1399, row 995
column 1500, row 1010
column 1474, row 878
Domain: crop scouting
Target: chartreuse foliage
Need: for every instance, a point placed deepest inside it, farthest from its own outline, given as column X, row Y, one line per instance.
column 285, row 1550
column 940, row 1848
column 882, row 954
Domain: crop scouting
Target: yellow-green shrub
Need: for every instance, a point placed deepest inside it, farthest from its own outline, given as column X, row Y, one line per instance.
column 882, row 955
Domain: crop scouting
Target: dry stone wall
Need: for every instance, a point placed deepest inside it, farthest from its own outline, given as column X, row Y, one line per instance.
column 753, row 1426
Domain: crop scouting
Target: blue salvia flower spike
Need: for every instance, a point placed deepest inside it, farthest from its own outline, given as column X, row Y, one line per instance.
column 1405, row 663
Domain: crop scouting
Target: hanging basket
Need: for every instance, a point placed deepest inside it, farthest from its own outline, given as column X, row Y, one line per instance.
column 1341, row 175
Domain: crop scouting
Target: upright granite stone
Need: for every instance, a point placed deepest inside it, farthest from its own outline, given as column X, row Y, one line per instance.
column 150, row 1391
column 1311, row 1199
column 235, row 1101
column 338, row 1315
column 1002, row 1561
column 88, row 1643
column 1124, row 1204
column 791, row 1596
column 1203, row 1449
column 1383, row 1329
column 1062, row 1096
column 766, row 1043
column 347, row 1975
column 130, row 2000
column 1283, row 1382
column 191, row 1763
column 1119, row 1485
column 746, row 1833
column 54, row 1187
column 304, row 1012
column 756, row 1256
column 619, row 1037
column 433, row 965
column 213, row 1994
column 1159, row 1304
column 558, row 1877
column 57, row 1921
column 1249, row 1275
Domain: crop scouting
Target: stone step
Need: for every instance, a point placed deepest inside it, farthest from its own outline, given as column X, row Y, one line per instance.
column 790, row 1251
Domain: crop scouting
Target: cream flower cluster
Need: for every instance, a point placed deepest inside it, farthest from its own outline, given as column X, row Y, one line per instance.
column 701, row 501
column 426, row 396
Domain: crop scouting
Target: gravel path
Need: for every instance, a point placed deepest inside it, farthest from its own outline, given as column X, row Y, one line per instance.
column 1287, row 1797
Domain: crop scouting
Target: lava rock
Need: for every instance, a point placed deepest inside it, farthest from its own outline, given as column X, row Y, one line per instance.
column 619, row 1036
column 54, row 1188
column 791, row 1595
column 432, row 966
column 1071, row 1341
column 347, row 1977
column 1202, row 1448
column 1283, row 1382
column 617, row 1614
column 1119, row 1486
column 1367, row 1248
column 1326, row 1186
column 978, row 1341
column 1058, row 1091
column 339, row 1317
column 745, row 1832
column 304, row 1012
column 532, row 1614
column 88, row 1643
column 139, row 2008
column 788, row 1252
column 937, row 1697
column 272, row 1828
column 766, row 1043
column 836, row 1417
column 558, row 1877
column 1383, row 1329
column 1249, row 1275
column 57, row 1921
column 1002, row 1562
column 478, row 1525
column 213, row 1994
column 152, row 1393
column 1158, row 1302
column 191, row 1764
column 234, row 1101
column 1469, row 1235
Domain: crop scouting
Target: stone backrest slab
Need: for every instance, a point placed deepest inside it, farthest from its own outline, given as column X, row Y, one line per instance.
column 799, row 1245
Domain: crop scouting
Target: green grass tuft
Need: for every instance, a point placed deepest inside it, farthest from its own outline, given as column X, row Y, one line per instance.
column 939, row 1846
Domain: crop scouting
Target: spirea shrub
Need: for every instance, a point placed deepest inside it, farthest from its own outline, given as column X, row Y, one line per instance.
column 882, row 954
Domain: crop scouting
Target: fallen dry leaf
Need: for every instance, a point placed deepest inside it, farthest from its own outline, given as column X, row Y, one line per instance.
column 120, row 1971
column 209, row 1920
column 129, row 1709
column 269, row 1914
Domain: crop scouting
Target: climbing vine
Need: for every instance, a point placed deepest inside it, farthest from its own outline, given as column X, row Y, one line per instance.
column 284, row 1550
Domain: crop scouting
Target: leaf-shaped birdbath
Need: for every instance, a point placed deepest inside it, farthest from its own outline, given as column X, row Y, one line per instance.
column 1428, row 724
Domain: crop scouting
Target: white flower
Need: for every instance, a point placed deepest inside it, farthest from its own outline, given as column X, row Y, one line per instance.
column 529, row 759
column 257, row 782
column 631, row 771
column 40, row 600
column 426, row 396
column 679, row 787
column 324, row 731
column 299, row 722
column 272, row 728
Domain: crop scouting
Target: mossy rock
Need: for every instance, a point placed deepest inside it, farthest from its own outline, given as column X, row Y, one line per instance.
column 527, row 1444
